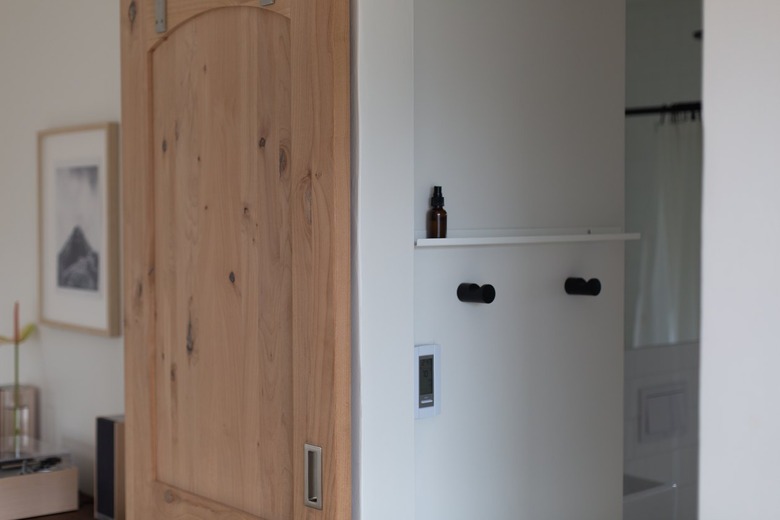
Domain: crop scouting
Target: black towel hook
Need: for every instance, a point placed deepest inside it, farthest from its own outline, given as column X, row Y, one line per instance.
column 579, row 286
column 474, row 293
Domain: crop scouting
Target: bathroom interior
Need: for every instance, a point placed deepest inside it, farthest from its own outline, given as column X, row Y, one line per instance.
column 663, row 203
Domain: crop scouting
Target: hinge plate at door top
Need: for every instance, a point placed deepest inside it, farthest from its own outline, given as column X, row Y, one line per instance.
column 160, row 16
column 267, row 2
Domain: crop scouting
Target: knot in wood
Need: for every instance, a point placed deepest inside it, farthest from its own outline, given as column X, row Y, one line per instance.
column 282, row 161
column 132, row 12
column 190, row 338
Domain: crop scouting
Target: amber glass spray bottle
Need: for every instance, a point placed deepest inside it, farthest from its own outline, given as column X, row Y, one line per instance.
column 437, row 217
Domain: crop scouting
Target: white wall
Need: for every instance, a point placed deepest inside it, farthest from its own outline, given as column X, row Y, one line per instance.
column 740, row 389
column 519, row 116
column 518, row 112
column 383, row 272
column 60, row 67
column 531, row 419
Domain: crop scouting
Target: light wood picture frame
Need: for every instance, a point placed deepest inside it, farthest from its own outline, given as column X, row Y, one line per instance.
column 78, row 228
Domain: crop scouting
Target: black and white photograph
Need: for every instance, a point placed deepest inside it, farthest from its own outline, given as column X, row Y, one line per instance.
column 79, row 228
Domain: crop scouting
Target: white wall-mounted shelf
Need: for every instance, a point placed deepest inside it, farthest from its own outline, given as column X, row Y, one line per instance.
column 528, row 239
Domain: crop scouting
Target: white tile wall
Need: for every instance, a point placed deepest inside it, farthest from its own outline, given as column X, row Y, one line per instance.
column 669, row 460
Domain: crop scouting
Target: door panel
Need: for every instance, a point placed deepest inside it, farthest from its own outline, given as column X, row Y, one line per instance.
column 224, row 258
column 236, row 201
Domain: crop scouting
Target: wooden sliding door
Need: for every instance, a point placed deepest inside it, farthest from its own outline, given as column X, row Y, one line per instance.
column 236, row 258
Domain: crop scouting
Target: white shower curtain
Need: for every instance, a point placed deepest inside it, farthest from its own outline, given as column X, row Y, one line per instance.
column 666, row 304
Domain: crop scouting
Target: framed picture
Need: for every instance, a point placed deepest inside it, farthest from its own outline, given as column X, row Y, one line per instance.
column 78, row 217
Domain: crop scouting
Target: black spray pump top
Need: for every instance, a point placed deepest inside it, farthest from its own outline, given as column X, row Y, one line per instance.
column 437, row 201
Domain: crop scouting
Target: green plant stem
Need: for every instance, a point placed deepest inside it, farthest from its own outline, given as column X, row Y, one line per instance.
column 17, row 396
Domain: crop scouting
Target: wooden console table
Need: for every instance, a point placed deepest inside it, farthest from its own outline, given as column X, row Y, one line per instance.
column 86, row 511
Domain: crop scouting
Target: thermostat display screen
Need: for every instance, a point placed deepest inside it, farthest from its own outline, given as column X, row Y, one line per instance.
column 426, row 375
column 427, row 381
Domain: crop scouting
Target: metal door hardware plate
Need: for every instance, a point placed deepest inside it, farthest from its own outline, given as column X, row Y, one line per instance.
column 160, row 16
column 267, row 2
column 312, row 476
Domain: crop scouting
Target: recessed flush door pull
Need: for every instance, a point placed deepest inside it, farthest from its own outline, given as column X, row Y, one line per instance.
column 312, row 476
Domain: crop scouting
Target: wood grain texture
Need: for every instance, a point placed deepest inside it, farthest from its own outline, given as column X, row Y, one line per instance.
column 237, row 257
column 224, row 259
column 139, row 275
column 320, row 116
column 114, row 235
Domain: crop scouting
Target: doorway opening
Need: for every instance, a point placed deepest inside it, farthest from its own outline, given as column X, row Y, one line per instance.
column 663, row 203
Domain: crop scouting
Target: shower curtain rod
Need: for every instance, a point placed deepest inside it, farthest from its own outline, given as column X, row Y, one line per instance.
column 676, row 108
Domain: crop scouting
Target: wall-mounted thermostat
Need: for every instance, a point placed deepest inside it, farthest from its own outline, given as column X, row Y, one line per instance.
column 427, row 381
